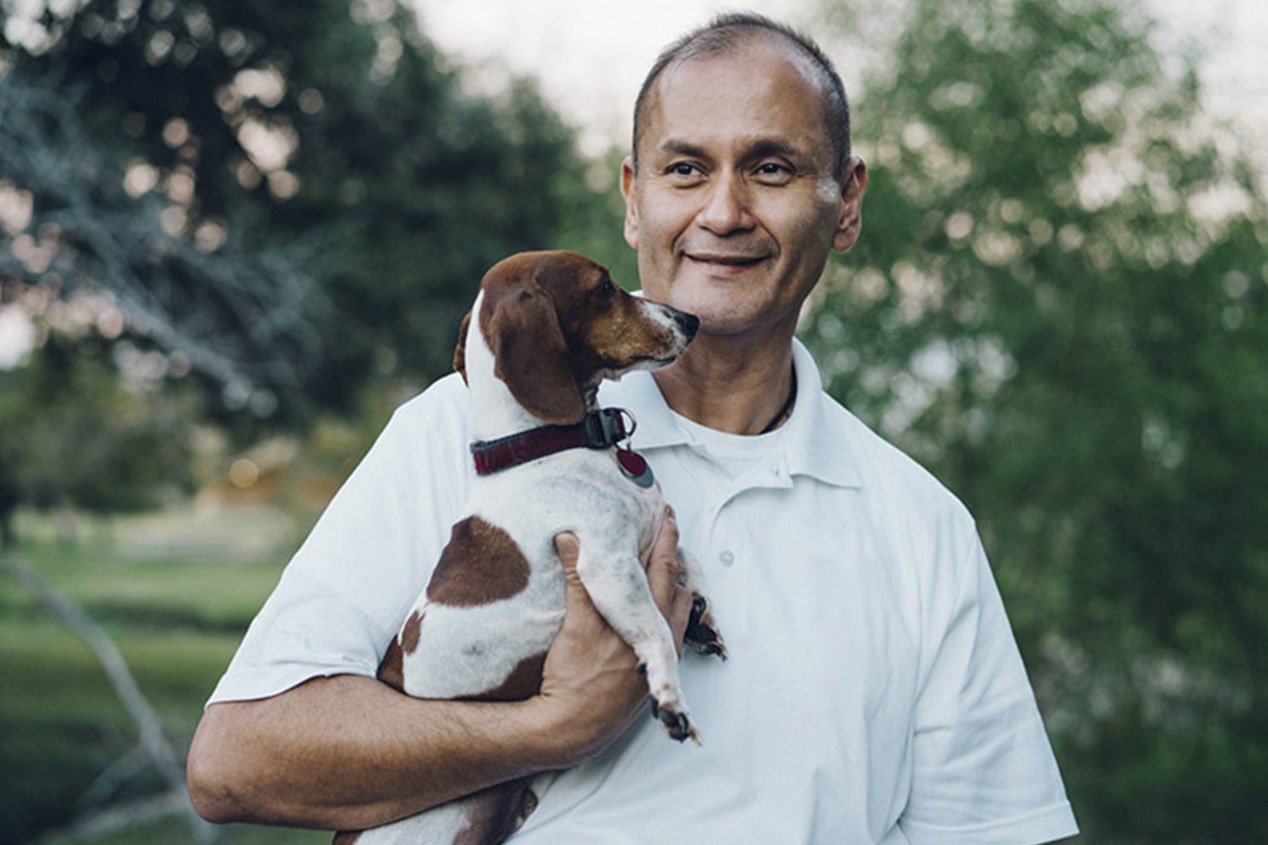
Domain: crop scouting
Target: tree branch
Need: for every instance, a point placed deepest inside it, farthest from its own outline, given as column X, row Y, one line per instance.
column 249, row 321
column 152, row 737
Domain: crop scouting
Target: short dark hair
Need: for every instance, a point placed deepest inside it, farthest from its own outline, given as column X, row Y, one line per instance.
column 723, row 35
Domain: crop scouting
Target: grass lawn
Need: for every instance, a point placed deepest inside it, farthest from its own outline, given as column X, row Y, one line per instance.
column 67, row 742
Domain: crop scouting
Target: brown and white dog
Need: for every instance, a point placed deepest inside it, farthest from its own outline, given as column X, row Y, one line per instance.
column 546, row 328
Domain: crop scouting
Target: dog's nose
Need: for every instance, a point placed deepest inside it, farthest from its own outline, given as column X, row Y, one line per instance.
column 689, row 323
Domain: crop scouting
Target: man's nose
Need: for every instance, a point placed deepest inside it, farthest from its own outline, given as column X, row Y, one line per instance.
column 726, row 205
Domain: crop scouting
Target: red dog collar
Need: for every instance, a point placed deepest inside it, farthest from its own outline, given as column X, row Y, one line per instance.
column 599, row 429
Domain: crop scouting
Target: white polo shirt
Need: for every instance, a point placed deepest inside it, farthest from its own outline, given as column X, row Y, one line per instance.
column 874, row 693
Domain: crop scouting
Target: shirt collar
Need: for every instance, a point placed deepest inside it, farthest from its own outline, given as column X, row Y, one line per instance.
column 814, row 442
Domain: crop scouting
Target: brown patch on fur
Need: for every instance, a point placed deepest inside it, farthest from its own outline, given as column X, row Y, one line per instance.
column 392, row 668
column 497, row 812
column 411, row 632
column 481, row 564
column 525, row 681
column 460, row 351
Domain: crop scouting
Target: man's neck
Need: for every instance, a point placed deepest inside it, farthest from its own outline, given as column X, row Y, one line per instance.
column 729, row 384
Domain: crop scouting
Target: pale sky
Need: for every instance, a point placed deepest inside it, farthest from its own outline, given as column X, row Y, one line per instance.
column 590, row 55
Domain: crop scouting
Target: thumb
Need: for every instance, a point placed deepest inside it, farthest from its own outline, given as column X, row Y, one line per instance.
column 569, row 549
column 580, row 613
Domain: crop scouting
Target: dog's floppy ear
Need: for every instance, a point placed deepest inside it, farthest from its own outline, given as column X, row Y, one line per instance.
column 460, row 351
column 531, row 356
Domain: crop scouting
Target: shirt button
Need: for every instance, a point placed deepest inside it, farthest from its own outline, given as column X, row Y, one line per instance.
column 726, row 558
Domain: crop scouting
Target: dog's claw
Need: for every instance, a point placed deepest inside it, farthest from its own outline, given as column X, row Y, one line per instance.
column 705, row 640
column 711, row 649
column 676, row 724
column 702, row 636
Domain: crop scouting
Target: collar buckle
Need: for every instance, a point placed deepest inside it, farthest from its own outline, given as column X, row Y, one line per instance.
column 605, row 427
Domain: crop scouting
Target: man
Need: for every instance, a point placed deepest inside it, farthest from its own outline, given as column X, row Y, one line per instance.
column 874, row 693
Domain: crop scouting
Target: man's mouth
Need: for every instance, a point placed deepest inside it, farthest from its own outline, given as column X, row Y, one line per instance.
column 724, row 259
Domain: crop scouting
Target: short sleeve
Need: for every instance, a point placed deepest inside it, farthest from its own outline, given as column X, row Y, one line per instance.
column 345, row 592
column 983, row 769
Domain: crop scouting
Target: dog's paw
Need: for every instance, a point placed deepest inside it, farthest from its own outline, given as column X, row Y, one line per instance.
column 675, row 722
column 702, row 633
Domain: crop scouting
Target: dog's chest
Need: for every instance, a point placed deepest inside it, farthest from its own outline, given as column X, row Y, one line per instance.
column 582, row 491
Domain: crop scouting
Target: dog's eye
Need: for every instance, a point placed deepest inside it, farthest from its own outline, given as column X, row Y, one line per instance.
column 607, row 290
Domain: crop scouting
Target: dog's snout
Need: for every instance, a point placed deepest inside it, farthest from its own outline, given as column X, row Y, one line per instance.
column 689, row 323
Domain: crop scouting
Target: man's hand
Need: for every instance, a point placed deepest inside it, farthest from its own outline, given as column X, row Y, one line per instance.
column 590, row 678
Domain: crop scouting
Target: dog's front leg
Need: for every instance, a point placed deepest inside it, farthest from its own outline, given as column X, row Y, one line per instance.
column 702, row 631
column 618, row 587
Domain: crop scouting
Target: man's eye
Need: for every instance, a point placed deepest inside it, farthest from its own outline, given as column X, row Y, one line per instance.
column 682, row 169
column 773, row 173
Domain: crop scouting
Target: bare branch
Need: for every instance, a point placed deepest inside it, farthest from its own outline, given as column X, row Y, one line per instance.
column 250, row 322
column 150, row 728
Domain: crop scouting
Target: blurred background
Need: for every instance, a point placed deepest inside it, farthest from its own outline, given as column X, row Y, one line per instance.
column 234, row 235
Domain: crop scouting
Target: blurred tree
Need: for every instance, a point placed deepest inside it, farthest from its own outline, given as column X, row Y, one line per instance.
column 1059, row 305
column 287, row 201
column 594, row 214
column 74, row 435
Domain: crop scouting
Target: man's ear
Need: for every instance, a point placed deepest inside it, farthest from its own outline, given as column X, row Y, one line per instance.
column 850, row 220
column 628, row 180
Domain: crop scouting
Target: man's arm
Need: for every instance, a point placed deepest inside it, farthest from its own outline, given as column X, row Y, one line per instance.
column 348, row 752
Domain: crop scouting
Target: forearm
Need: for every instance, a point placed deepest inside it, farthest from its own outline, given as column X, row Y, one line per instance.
column 349, row 752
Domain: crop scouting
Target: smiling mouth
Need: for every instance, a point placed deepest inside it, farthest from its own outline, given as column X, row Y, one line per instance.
column 725, row 260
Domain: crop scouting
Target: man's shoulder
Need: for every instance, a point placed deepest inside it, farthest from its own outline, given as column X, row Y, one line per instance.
column 884, row 467
column 445, row 400
column 430, row 426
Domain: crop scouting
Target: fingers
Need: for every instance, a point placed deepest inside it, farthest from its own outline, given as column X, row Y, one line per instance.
column 577, row 604
column 663, row 577
column 662, row 563
column 567, row 547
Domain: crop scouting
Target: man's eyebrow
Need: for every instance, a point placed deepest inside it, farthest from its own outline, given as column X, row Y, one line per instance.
column 764, row 147
column 757, row 148
column 673, row 146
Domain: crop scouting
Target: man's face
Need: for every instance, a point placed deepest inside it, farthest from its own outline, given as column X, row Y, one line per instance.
column 735, row 204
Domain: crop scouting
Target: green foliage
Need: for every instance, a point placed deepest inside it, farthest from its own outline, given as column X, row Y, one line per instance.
column 594, row 217
column 96, row 446
column 317, row 196
column 1059, row 304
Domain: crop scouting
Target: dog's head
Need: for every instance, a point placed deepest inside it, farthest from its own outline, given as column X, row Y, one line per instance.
column 557, row 325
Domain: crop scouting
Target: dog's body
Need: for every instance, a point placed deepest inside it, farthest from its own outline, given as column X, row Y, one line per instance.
column 545, row 329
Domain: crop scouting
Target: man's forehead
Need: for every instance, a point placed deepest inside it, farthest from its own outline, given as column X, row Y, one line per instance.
column 743, row 80
column 776, row 51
